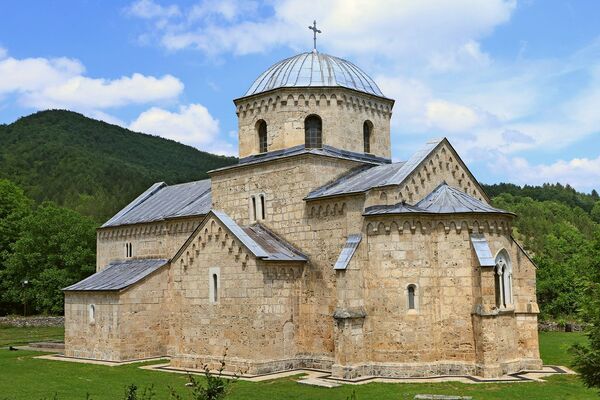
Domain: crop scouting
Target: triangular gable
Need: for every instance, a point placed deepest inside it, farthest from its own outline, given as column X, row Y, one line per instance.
column 364, row 178
column 245, row 239
column 419, row 158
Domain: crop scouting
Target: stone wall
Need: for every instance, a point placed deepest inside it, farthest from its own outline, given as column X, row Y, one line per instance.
column 151, row 240
column 253, row 314
column 443, row 334
column 342, row 112
column 127, row 325
column 318, row 232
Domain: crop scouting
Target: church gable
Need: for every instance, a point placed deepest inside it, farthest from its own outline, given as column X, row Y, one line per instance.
column 441, row 163
column 243, row 242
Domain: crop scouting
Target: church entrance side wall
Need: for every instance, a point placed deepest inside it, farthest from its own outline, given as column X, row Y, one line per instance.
column 118, row 326
column 228, row 302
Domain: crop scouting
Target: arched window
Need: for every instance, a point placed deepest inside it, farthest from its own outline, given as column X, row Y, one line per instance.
column 215, row 288
column 92, row 313
column 503, row 280
column 313, row 132
column 411, row 289
column 262, row 206
column 214, row 285
column 253, row 215
column 367, row 131
column 262, row 136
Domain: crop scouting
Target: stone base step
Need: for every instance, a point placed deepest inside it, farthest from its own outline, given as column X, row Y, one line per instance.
column 318, row 382
column 48, row 345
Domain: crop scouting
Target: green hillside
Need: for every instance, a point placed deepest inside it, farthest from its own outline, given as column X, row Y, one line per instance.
column 91, row 166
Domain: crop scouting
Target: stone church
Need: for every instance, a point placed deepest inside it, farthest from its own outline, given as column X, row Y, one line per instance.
column 315, row 250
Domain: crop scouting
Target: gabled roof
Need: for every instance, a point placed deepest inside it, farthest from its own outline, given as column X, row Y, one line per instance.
column 444, row 199
column 326, row 150
column 398, row 208
column 276, row 248
column 118, row 275
column 261, row 242
column 161, row 202
column 357, row 180
column 362, row 180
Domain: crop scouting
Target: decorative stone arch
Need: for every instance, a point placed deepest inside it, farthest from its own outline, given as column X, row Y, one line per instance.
column 503, row 282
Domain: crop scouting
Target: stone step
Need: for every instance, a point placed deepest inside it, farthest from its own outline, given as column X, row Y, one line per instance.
column 48, row 345
column 318, row 382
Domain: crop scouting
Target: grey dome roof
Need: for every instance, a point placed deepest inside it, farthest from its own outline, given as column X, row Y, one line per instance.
column 314, row 69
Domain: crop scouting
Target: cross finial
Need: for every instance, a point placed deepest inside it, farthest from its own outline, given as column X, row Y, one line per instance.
column 315, row 31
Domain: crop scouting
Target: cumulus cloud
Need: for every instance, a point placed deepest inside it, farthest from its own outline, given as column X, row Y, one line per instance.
column 192, row 124
column 61, row 83
column 443, row 34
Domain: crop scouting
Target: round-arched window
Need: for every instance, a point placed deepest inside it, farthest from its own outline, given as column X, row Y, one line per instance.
column 367, row 133
column 411, row 289
column 262, row 136
column 503, row 280
column 313, row 132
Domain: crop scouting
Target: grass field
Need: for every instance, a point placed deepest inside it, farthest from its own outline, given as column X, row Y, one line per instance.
column 24, row 377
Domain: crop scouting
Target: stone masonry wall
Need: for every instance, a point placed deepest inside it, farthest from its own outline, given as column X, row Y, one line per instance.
column 319, row 233
column 439, row 336
column 97, row 338
column 342, row 112
column 253, row 315
column 150, row 240
column 126, row 325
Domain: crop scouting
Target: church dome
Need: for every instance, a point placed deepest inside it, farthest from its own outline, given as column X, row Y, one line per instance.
column 317, row 70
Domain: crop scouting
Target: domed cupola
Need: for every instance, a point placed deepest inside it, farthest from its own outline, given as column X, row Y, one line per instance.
column 314, row 100
column 314, row 69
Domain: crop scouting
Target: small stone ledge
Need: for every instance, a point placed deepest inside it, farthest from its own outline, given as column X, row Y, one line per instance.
column 349, row 313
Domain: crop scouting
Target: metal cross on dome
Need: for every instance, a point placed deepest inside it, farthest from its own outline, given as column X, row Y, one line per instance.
column 315, row 31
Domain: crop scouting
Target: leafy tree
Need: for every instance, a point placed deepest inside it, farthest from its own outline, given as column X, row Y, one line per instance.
column 14, row 206
column 55, row 248
column 596, row 212
column 587, row 357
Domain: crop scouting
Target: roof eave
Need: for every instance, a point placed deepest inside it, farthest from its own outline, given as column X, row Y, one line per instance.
column 259, row 94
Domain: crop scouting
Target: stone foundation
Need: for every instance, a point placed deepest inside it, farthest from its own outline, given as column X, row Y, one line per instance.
column 420, row 370
column 252, row 367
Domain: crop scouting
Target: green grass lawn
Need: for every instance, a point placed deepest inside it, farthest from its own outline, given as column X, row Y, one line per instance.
column 10, row 335
column 24, row 377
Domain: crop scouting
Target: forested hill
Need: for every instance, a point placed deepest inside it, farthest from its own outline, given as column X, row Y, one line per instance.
column 92, row 166
column 560, row 228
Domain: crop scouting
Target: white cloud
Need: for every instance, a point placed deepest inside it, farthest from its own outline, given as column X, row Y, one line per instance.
column 451, row 117
column 148, row 9
column 90, row 93
column 581, row 173
column 32, row 74
column 60, row 83
column 442, row 34
column 192, row 124
column 3, row 53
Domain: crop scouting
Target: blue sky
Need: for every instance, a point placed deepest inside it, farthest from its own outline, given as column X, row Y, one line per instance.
column 515, row 85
